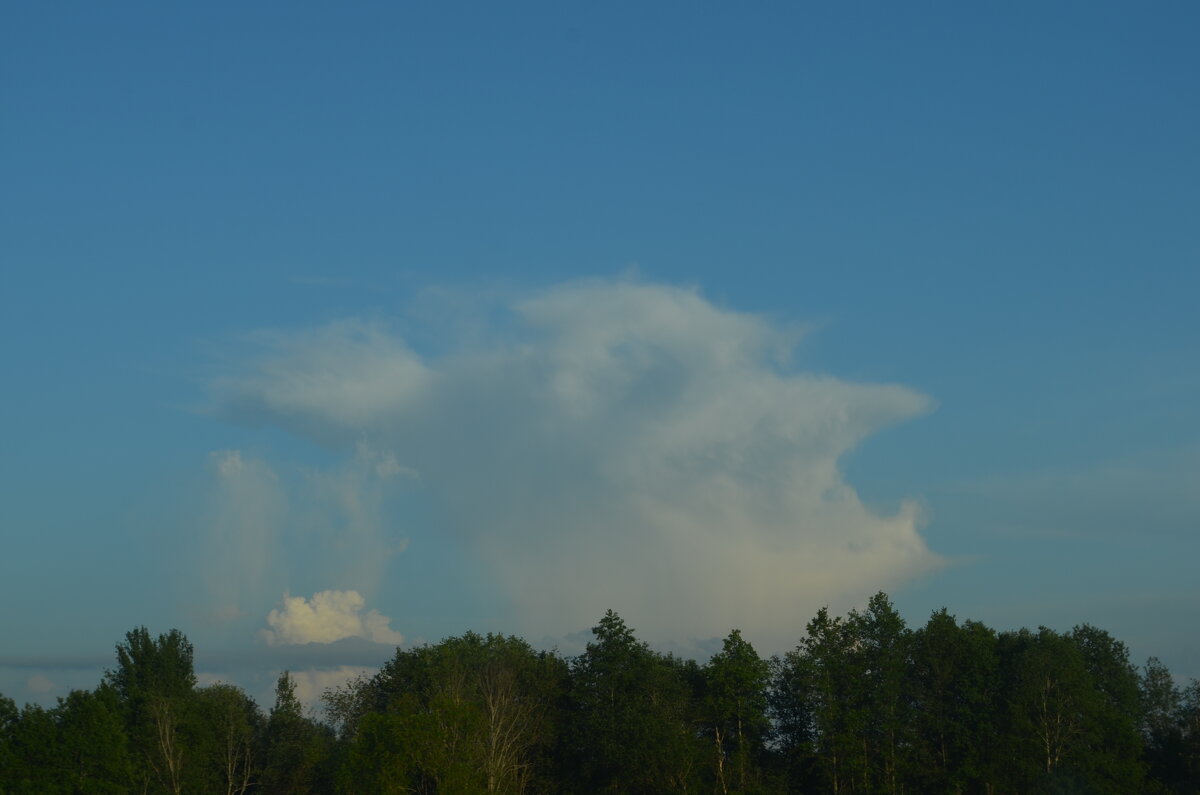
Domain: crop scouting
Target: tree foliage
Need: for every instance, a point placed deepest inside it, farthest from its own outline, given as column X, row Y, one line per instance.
column 735, row 713
column 862, row 705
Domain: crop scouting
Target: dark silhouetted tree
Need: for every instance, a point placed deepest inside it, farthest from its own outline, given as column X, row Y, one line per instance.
column 154, row 680
column 735, row 712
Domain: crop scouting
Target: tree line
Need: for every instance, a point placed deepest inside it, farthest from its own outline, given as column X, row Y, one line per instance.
column 863, row 704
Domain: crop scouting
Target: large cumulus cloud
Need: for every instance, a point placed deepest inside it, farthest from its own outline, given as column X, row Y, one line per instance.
column 615, row 444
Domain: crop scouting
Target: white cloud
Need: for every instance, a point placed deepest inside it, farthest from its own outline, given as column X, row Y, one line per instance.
column 329, row 616
column 267, row 529
column 353, row 371
column 244, row 523
column 38, row 684
column 620, row 445
column 341, row 515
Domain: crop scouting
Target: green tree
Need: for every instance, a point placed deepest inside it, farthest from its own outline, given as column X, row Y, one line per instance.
column 348, row 703
column 519, row 691
column 1189, row 721
column 1049, row 697
column 735, row 710
column 793, row 721
column 153, row 666
column 298, row 752
column 953, row 689
column 879, row 658
column 231, row 731
column 415, row 736
column 77, row 747
column 814, row 693
column 389, row 754
column 1162, row 728
column 93, row 745
column 155, row 680
column 36, row 753
column 9, row 717
column 470, row 713
column 634, row 731
column 1112, row 760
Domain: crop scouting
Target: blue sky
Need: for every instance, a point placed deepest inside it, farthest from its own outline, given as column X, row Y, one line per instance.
column 325, row 325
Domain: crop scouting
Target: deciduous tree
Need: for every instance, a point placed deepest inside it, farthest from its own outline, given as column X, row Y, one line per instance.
column 154, row 680
column 735, row 711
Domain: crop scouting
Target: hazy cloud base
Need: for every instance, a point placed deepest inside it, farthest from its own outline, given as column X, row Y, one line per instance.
column 267, row 533
column 613, row 444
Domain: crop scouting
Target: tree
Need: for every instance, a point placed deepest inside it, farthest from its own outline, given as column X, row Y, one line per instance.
column 1112, row 762
column 298, row 750
column 1189, row 720
column 348, row 703
column 1161, row 727
column 35, row 749
column 735, row 708
column 793, row 721
column 812, row 704
column 631, row 709
column 93, row 744
column 9, row 718
column 516, row 689
column 473, row 712
column 154, row 680
column 953, row 686
column 879, row 641
column 414, row 736
column 159, row 666
column 1049, row 697
column 231, row 726
column 823, row 664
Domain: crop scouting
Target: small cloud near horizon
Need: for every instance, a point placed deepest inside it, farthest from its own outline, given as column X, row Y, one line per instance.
column 327, row 617
column 38, row 684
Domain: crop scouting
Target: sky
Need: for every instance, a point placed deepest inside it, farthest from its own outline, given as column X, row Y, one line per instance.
column 328, row 329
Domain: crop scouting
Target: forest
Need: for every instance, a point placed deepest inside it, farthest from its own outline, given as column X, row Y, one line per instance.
column 863, row 704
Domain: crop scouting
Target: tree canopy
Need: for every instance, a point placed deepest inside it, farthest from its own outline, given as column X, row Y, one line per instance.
column 862, row 704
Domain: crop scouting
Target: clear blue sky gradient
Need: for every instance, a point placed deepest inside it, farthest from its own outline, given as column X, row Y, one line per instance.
column 998, row 207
